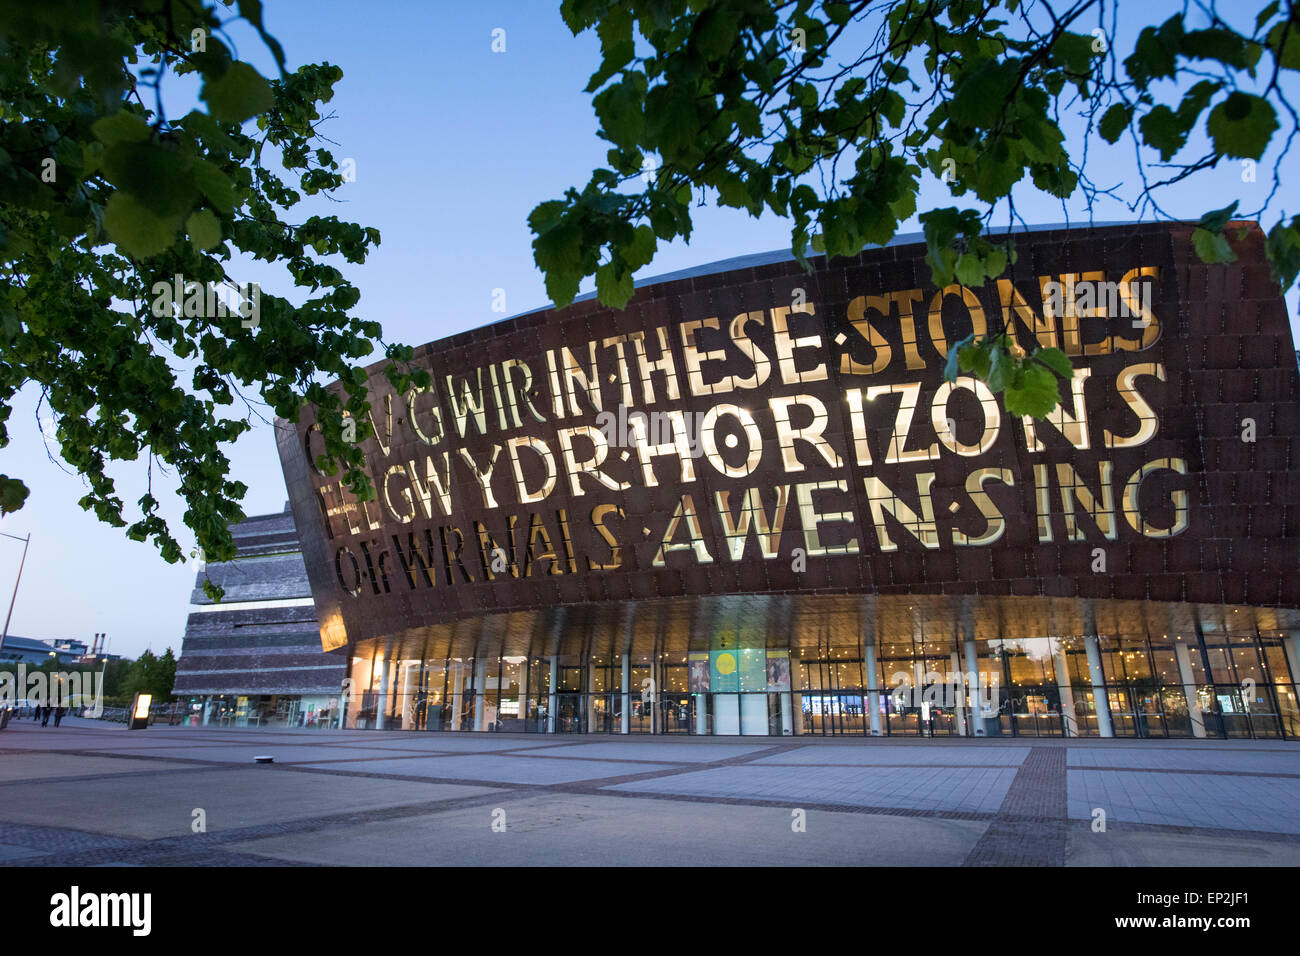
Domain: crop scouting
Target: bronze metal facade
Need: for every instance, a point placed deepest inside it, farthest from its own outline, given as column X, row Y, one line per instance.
column 763, row 457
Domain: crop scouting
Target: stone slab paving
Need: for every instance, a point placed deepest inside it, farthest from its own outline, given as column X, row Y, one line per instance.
column 1127, row 846
column 48, row 766
column 1280, row 761
column 552, row 829
column 283, row 753
column 968, row 790
column 929, row 755
column 446, row 743
column 1238, row 802
column 91, row 794
column 162, row 804
column 1029, row 828
column 656, row 750
column 500, row 768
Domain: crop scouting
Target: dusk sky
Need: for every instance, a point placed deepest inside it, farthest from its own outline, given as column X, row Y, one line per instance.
column 454, row 145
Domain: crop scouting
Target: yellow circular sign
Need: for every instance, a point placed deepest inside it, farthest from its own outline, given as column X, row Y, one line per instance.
column 726, row 663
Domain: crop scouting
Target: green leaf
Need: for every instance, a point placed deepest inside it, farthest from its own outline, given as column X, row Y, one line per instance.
column 1163, row 131
column 1002, row 368
column 204, row 230
column 838, row 11
column 121, row 127
column 641, row 249
column 1056, row 360
column 1288, row 56
column 1225, row 46
column 1114, row 121
column 620, row 113
column 1242, row 125
column 1215, row 221
column 1034, row 392
column 1283, row 251
column 215, row 186
column 1266, row 14
column 136, row 229
column 1074, row 52
column 240, row 94
column 953, row 367
column 158, row 178
column 715, row 32
column 613, row 288
column 12, row 494
column 1212, row 247
column 974, row 358
column 970, row 270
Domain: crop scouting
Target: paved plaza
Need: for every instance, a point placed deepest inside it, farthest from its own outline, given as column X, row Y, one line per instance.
column 90, row 793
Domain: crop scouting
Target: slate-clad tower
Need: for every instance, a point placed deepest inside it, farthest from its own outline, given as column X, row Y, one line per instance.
column 256, row 657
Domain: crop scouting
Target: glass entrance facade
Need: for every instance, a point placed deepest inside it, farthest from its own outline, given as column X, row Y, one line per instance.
column 1209, row 683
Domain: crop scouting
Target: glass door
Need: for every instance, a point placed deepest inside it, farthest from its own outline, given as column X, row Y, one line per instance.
column 568, row 713
column 675, row 711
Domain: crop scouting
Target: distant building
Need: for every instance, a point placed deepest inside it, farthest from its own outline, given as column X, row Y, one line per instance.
column 28, row 650
column 255, row 659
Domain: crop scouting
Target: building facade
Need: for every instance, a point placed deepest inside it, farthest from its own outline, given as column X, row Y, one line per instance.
column 754, row 503
column 28, row 650
column 255, row 658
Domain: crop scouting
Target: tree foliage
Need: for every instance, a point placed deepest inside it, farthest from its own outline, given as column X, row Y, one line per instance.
column 827, row 112
column 151, row 674
column 103, row 196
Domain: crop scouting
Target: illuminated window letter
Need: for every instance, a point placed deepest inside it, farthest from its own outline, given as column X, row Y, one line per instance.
column 762, row 365
column 753, row 438
column 883, row 500
column 524, row 394
column 663, row 364
column 1136, row 298
column 434, row 483
column 435, row 413
column 483, row 476
column 940, row 418
column 994, row 522
column 1148, row 423
column 1072, row 487
column 548, row 484
column 408, row 512
column 811, row 518
column 787, row 346
column 598, row 516
column 881, row 351
column 973, row 309
column 685, row 510
column 1073, row 427
column 787, row 436
column 896, row 452
column 695, row 360
column 589, row 381
column 767, row 531
column 588, row 466
column 469, row 404
column 1178, row 498
column 679, row 445
column 1014, row 307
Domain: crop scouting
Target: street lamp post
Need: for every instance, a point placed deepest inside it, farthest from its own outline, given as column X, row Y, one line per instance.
column 26, row 541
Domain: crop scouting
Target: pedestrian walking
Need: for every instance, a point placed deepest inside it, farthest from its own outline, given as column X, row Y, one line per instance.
column 45, row 715
column 58, row 714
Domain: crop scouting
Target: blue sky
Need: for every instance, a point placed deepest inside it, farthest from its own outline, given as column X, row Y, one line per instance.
column 453, row 144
